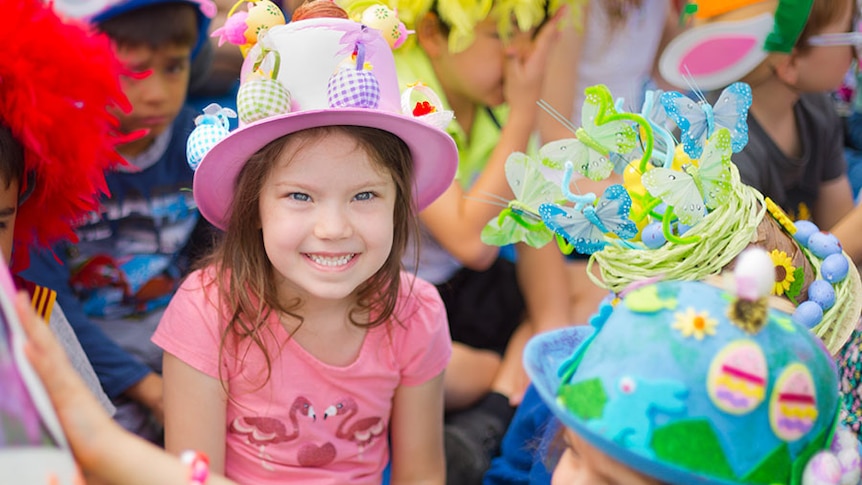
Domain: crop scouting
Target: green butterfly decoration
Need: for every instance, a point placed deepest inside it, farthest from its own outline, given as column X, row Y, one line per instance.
column 530, row 180
column 602, row 141
column 697, row 188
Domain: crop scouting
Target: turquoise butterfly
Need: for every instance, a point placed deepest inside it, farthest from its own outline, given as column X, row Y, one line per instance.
column 531, row 182
column 695, row 189
column 698, row 120
column 585, row 225
column 604, row 136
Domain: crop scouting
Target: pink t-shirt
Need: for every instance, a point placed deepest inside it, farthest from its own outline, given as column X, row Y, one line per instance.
column 311, row 423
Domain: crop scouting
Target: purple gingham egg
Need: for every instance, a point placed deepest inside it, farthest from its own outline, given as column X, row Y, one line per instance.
column 351, row 88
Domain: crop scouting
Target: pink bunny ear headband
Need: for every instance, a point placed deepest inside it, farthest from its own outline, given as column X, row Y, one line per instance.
column 715, row 54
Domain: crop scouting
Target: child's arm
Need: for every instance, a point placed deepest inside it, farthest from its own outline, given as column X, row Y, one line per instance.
column 195, row 408
column 103, row 450
column 561, row 79
column 834, row 201
column 848, row 232
column 456, row 219
column 416, row 430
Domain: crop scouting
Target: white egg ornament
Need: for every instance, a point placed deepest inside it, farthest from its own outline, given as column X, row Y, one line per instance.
column 211, row 127
column 822, row 469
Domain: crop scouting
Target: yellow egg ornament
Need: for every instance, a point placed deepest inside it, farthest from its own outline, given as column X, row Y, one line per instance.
column 262, row 15
column 632, row 180
column 385, row 20
column 680, row 158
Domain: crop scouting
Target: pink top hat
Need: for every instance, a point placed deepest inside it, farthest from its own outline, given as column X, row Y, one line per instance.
column 333, row 72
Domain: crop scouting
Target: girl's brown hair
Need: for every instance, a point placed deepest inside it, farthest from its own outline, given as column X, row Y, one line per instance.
column 245, row 278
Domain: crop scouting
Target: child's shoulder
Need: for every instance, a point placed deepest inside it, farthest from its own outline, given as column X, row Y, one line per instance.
column 418, row 300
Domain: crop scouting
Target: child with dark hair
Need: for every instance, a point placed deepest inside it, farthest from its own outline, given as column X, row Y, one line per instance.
column 51, row 174
column 134, row 248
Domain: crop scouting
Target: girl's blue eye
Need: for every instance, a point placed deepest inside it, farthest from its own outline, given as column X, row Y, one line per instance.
column 364, row 196
column 299, row 196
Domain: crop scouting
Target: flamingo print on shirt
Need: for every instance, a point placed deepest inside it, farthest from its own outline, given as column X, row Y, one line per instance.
column 361, row 431
column 264, row 431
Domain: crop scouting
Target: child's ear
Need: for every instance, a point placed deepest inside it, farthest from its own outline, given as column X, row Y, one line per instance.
column 786, row 67
column 431, row 35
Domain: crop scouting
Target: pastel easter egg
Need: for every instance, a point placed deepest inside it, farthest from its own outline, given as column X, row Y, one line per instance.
column 736, row 382
column 632, row 180
column 262, row 16
column 385, row 20
column 681, row 158
column 793, row 404
column 652, row 235
column 682, row 228
column 349, row 88
column 834, row 268
column 851, row 467
column 822, row 469
column 808, row 314
column 844, row 439
column 804, row 230
column 200, row 140
column 260, row 98
column 822, row 293
column 822, row 244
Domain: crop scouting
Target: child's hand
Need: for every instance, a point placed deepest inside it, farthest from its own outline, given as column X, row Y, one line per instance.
column 525, row 65
column 83, row 419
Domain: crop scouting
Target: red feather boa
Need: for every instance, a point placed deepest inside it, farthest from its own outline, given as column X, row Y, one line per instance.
column 57, row 80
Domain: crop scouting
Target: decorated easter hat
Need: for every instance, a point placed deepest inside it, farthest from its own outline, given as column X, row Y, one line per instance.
column 690, row 383
column 64, row 162
column 681, row 213
column 717, row 51
column 311, row 73
column 97, row 11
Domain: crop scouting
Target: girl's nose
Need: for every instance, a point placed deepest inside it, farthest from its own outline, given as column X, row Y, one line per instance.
column 333, row 223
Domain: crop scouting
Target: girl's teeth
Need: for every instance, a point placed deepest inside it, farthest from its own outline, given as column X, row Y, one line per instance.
column 324, row 261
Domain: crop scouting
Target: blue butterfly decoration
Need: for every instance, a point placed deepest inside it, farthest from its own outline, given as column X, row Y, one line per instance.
column 698, row 120
column 585, row 225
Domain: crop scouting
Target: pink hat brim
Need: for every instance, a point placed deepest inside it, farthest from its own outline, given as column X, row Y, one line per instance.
column 434, row 153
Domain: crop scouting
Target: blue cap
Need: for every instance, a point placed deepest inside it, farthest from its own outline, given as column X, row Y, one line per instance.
column 97, row 11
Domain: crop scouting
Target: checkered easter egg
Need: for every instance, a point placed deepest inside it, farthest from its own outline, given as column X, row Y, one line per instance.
column 261, row 98
column 201, row 139
column 351, row 88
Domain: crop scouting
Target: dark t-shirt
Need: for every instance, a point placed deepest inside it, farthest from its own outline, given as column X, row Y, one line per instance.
column 794, row 183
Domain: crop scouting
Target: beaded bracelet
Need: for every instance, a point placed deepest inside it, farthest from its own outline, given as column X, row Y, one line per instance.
column 199, row 466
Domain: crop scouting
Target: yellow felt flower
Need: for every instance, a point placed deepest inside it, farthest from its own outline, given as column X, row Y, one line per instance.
column 784, row 270
column 694, row 324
